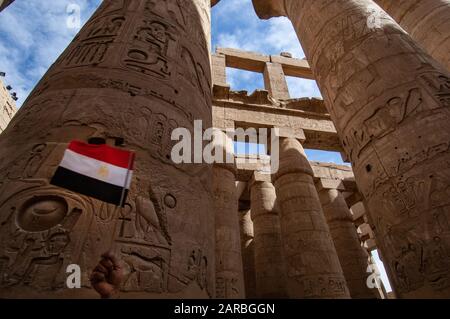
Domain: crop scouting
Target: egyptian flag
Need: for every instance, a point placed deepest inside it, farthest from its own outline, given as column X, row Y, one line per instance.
column 99, row 171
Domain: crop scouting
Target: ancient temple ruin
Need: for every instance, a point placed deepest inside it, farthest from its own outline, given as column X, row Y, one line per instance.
column 140, row 69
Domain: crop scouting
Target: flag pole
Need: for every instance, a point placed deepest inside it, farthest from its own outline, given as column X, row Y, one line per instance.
column 130, row 161
column 121, row 204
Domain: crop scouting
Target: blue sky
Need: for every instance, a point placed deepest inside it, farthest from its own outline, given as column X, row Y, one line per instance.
column 33, row 33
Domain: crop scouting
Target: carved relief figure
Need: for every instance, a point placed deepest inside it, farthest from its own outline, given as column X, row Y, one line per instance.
column 36, row 235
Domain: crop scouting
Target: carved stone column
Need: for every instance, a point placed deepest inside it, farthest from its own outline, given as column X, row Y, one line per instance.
column 137, row 70
column 248, row 253
column 389, row 101
column 427, row 21
column 229, row 269
column 353, row 257
column 313, row 269
column 270, row 265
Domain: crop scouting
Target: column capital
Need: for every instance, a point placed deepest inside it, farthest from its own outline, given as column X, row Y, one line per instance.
column 224, row 146
column 263, row 196
column 288, row 132
column 292, row 159
column 266, row 9
column 259, row 177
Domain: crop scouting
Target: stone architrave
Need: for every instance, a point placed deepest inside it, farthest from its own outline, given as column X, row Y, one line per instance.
column 136, row 71
column 390, row 103
column 270, row 268
column 312, row 264
column 426, row 21
column 352, row 256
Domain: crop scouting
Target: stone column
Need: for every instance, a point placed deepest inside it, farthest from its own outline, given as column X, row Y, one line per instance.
column 275, row 81
column 248, row 253
column 229, row 269
column 427, row 21
column 389, row 101
column 353, row 257
column 270, row 265
column 137, row 70
column 313, row 269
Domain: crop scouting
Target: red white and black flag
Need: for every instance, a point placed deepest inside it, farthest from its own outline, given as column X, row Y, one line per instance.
column 99, row 171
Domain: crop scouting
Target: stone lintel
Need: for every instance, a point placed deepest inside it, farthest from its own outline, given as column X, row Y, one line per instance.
column 358, row 213
column 248, row 164
column 294, row 67
column 332, row 171
column 370, row 244
column 318, row 129
column 365, row 231
column 256, row 62
column 328, row 183
column 244, row 60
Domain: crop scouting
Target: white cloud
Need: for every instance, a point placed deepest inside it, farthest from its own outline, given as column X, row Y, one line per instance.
column 281, row 35
column 236, row 20
column 33, row 34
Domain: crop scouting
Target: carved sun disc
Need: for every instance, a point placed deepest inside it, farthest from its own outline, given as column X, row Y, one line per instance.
column 41, row 213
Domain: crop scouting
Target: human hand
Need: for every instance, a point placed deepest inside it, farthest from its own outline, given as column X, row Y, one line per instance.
column 108, row 275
